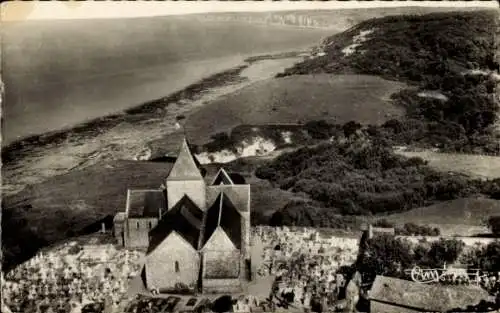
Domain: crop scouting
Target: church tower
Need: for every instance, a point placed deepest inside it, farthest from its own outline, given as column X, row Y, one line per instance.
column 185, row 178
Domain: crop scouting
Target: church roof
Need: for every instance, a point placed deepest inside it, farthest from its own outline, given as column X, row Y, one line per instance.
column 223, row 214
column 239, row 195
column 222, row 177
column 185, row 218
column 145, row 203
column 237, row 179
column 186, row 166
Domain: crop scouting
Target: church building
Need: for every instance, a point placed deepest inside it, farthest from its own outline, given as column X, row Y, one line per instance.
column 197, row 234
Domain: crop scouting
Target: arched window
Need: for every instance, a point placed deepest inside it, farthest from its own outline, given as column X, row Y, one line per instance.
column 177, row 270
column 137, row 225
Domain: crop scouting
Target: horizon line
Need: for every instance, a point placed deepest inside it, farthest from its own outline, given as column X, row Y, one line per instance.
column 11, row 11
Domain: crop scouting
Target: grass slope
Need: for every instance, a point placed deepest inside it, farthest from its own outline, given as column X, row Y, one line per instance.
column 409, row 47
column 448, row 58
column 85, row 195
column 476, row 166
column 467, row 211
column 64, row 205
column 298, row 99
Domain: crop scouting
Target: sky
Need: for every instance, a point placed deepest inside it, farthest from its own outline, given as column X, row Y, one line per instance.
column 34, row 10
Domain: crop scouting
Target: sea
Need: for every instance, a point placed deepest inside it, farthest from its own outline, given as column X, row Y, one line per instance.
column 59, row 73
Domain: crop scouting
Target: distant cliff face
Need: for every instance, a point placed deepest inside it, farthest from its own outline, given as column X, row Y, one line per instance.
column 268, row 141
column 335, row 19
column 255, row 146
column 273, row 18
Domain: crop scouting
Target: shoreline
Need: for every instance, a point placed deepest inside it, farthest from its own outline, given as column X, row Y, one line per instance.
column 108, row 121
column 118, row 136
column 187, row 92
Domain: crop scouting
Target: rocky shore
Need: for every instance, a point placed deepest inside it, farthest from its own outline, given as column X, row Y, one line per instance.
column 126, row 135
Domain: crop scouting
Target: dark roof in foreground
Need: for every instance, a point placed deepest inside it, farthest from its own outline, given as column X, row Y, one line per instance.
column 145, row 203
column 239, row 195
column 425, row 297
column 227, row 178
column 185, row 218
column 237, row 179
column 224, row 214
column 222, row 177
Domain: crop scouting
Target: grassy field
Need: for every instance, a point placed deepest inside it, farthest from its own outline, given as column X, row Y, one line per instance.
column 339, row 98
column 461, row 216
column 76, row 199
column 477, row 166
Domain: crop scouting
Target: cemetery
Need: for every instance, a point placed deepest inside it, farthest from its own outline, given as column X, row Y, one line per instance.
column 92, row 273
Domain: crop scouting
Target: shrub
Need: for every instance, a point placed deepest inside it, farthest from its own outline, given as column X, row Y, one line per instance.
column 494, row 224
column 411, row 229
column 383, row 223
column 433, row 53
column 385, row 255
column 359, row 178
column 75, row 249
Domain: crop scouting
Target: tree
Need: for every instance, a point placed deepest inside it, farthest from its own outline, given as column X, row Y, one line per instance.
column 395, row 125
column 444, row 250
column 316, row 305
column 494, row 224
column 289, row 297
column 350, row 128
column 412, row 229
column 258, row 218
column 385, row 255
column 485, row 258
column 222, row 304
column 276, row 219
column 383, row 223
column 319, row 129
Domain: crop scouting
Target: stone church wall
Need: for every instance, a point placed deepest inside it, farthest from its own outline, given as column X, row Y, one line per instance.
column 221, row 265
column 119, row 232
column 245, row 231
column 221, row 285
column 173, row 262
column 138, row 231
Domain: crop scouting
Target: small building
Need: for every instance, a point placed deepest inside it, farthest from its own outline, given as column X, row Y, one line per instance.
column 393, row 295
column 143, row 210
column 373, row 231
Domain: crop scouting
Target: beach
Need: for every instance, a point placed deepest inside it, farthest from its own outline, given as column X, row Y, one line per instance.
column 124, row 136
column 82, row 92
column 58, row 74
